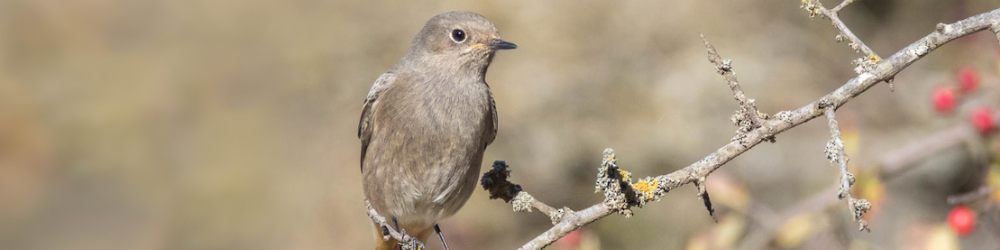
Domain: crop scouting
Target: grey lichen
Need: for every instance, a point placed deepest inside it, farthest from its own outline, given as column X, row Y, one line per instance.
column 726, row 66
column 860, row 207
column 615, row 184
column 620, row 194
column 812, row 7
column 411, row 243
column 785, row 116
column 834, row 149
column 522, row 202
column 864, row 64
column 558, row 215
column 921, row 50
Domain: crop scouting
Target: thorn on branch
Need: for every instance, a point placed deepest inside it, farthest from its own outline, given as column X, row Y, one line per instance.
column 996, row 30
column 495, row 181
column 703, row 196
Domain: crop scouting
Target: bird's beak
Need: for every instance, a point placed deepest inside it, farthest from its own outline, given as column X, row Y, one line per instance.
column 497, row 44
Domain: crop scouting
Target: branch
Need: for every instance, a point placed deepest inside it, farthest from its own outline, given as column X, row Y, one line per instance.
column 892, row 164
column 971, row 196
column 771, row 221
column 899, row 160
column 835, row 152
column 408, row 242
column 881, row 71
column 523, row 202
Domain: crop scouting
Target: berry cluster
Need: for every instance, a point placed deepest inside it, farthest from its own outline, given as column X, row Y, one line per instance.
column 946, row 98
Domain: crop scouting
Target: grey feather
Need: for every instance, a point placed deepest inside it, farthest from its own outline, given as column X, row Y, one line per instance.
column 426, row 122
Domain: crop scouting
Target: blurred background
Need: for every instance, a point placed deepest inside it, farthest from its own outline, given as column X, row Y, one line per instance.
column 223, row 124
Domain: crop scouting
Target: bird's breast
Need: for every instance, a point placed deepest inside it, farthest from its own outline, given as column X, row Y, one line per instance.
column 427, row 148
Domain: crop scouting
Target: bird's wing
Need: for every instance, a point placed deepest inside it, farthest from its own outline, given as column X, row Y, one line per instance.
column 365, row 125
column 491, row 133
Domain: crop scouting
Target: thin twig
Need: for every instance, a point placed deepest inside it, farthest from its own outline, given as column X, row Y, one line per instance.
column 835, row 152
column 770, row 221
column 841, row 6
column 855, row 43
column 497, row 182
column 747, row 117
column 524, row 202
column 883, row 70
column 864, row 64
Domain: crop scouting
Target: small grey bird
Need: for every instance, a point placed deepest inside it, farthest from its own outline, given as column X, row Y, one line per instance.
column 426, row 123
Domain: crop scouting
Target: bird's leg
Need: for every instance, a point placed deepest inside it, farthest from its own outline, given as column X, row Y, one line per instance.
column 438, row 230
column 396, row 225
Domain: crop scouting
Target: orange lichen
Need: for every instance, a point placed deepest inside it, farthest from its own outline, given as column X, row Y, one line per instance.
column 647, row 188
column 874, row 58
column 626, row 176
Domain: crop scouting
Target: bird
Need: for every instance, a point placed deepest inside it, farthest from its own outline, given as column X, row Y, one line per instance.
column 427, row 121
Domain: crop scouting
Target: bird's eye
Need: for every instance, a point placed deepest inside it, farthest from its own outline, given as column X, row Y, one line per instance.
column 458, row 36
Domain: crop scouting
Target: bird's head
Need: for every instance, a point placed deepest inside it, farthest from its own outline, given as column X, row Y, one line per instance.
column 462, row 39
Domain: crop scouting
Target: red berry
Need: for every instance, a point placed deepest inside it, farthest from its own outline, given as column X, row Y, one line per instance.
column 944, row 99
column 962, row 220
column 982, row 118
column 968, row 79
column 571, row 240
